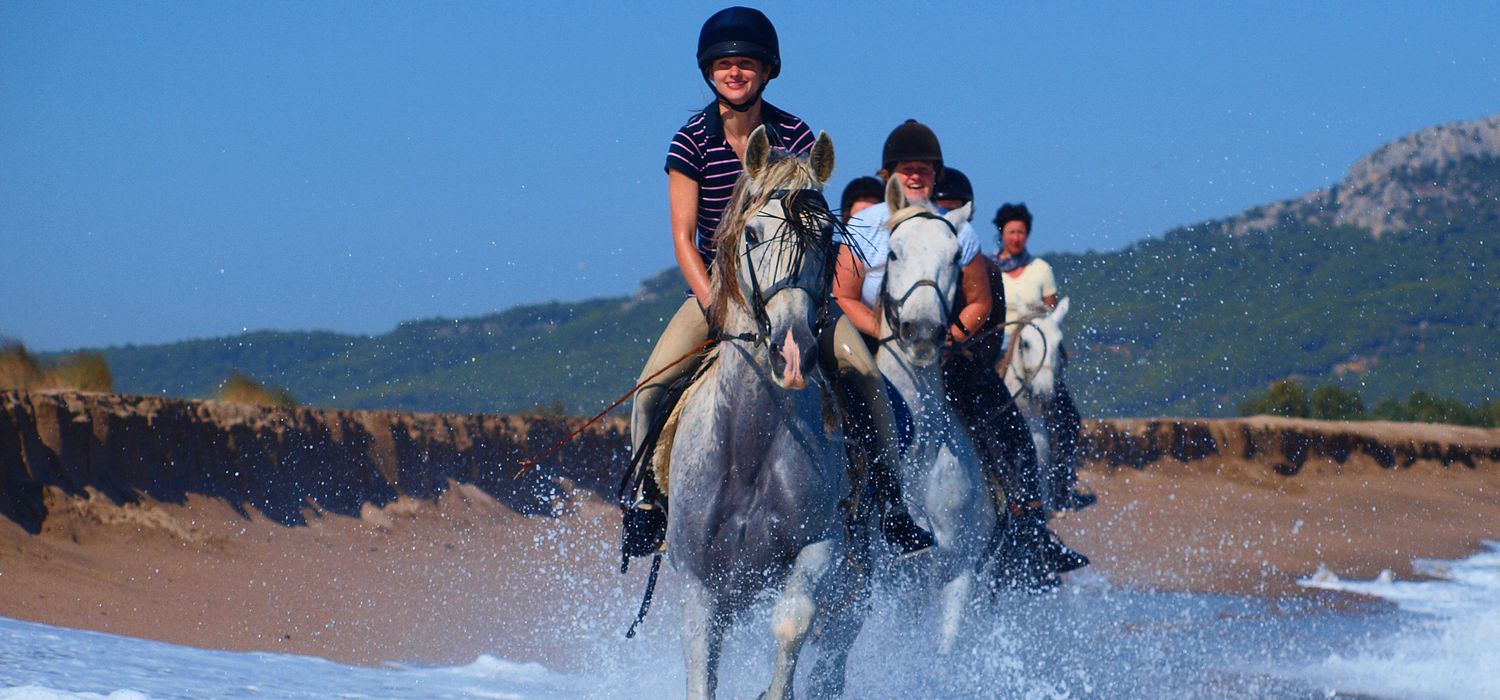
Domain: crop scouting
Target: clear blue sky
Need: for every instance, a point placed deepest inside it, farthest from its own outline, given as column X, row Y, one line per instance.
column 172, row 170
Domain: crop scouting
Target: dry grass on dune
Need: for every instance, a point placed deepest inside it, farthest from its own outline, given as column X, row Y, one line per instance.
column 239, row 388
column 83, row 371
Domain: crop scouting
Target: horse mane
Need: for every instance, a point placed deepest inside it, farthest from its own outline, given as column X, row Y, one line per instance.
column 783, row 171
column 901, row 215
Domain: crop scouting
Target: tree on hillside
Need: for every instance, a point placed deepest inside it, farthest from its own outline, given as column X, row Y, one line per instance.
column 1329, row 402
column 1284, row 398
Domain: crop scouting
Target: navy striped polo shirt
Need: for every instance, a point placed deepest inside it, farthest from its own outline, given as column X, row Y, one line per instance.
column 700, row 151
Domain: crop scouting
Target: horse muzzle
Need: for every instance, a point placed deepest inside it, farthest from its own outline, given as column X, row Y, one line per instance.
column 790, row 360
column 921, row 341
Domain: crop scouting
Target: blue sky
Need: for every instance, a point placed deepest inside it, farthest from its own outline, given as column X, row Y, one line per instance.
column 172, row 170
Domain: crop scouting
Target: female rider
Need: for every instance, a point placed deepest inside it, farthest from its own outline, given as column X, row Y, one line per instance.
column 1029, row 284
column 913, row 156
column 738, row 54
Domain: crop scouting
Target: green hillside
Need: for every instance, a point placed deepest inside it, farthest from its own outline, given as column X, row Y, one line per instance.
column 1190, row 323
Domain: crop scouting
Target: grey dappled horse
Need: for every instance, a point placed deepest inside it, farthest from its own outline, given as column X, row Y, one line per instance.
column 1032, row 368
column 941, row 473
column 757, row 476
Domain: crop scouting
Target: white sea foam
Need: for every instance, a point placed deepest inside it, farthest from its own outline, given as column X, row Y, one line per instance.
column 1089, row 640
column 1449, row 649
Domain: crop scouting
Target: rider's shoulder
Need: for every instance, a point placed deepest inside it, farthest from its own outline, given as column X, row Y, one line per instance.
column 871, row 221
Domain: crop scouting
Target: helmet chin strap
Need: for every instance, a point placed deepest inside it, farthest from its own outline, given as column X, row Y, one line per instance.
column 745, row 107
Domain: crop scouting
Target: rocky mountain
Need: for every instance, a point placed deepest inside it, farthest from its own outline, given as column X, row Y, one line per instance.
column 1387, row 190
column 1383, row 282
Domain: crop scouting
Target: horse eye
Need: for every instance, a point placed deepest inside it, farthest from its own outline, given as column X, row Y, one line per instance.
column 956, row 256
column 893, row 256
column 752, row 235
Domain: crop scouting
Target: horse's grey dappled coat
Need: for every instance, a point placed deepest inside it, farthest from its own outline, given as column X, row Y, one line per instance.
column 757, row 476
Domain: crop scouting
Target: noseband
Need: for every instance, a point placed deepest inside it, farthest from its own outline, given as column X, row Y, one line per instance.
column 1025, row 375
column 890, row 306
column 805, row 210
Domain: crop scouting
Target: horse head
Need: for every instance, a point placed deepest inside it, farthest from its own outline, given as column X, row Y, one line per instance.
column 921, row 276
column 1037, row 360
column 772, row 276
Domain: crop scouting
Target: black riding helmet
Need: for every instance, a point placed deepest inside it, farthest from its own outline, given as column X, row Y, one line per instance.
column 912, row 141
column 860, row 188
column 739, row 31
column 953, row 184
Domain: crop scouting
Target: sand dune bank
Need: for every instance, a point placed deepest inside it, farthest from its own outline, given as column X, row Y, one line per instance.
column 367, row 536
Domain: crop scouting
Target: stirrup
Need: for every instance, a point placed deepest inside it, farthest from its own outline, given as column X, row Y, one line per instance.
column 643, row 530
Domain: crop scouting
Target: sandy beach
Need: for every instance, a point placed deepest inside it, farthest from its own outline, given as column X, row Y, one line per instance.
column 443, row 580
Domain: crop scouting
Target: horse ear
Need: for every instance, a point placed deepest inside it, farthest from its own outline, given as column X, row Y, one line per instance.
column 822, row 158
column 960, row 216
column 1061, row 310
column 895, row 197
column 757, row 152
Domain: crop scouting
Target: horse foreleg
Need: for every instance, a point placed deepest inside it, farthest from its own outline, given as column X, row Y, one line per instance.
column 954, row 600
column 842, row 615
column 794, row 613
column 702, row 635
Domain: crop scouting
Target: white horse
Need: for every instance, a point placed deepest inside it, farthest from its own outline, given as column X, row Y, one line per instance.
column 940, row 472
column 1033, row 368
column 757, row 476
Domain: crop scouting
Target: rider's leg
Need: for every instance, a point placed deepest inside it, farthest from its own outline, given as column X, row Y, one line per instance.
column 1004, row 441
column 645, row 523
column 687, row 329
column 844, row 351
column 1065, row 425
column 1026, row 505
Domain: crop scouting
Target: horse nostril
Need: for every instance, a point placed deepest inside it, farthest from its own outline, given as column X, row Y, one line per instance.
column 907, row 330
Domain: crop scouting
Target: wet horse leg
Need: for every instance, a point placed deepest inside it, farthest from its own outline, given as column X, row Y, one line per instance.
column 702, row 636
column 794, row 613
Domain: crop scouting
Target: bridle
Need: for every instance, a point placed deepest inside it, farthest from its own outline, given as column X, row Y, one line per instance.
column 1025, row 375
column 806, row 211
column 890, row 306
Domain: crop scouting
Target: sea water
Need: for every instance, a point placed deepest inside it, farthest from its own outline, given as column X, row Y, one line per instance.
column 1433, row 638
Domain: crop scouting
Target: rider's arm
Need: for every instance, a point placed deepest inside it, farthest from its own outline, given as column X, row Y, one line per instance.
column 976, row 282
column 1048, row 283
column 848, row 285
column 682, row 194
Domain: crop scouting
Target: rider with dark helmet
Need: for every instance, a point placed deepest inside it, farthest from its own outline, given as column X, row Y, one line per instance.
column 738, row 54
column 952, row 190
column 861, row 192
column 1035, row 555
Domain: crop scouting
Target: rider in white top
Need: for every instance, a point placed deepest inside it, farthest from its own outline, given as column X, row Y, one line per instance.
column 1030, row 288
column 1030, row 284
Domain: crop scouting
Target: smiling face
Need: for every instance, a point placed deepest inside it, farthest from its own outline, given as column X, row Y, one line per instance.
column 738, row 78
column 916, row 178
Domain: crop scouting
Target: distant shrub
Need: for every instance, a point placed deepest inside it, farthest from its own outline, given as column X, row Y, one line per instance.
column 84, row 371
column 1285, row 398
column 1329, row 402
column 242, row 389
column 18, row 369
column 554, row 409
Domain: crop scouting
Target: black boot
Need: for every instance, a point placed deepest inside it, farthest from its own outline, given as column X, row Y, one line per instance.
column 1063, row 558
column 901, row 532
column 896, row 524
column 1052, row 553
column 643, row 529
column 1023, row 563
